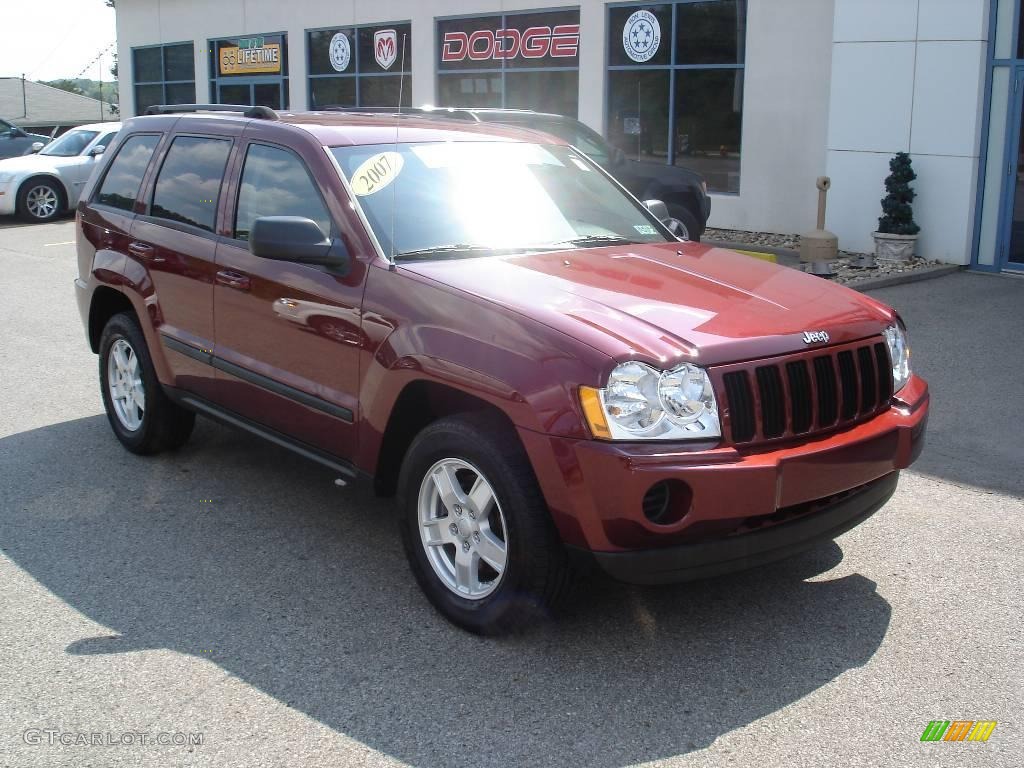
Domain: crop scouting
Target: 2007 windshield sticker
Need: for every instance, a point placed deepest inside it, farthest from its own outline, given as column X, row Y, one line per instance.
column 376, row 173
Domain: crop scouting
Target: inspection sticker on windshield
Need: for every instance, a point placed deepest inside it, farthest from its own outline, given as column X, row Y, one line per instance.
column 376, row 173
column 644, row 229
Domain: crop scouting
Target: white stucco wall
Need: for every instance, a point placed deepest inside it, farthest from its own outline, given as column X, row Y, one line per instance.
column 907, row 76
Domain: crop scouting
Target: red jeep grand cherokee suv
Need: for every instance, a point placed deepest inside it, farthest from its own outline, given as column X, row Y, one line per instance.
column 481, row 320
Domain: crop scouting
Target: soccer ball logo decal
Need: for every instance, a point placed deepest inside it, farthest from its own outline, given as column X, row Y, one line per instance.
column 641, row 36
column 340, row 52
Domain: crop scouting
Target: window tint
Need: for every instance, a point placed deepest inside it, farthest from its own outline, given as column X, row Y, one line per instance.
column 275, row 182
column 121, row 184
column 189, row 181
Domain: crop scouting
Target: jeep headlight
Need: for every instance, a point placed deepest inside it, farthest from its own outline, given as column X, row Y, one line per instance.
column 899, row 353
column 642, row 403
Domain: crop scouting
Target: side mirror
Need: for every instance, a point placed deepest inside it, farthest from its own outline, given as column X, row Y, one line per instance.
column 36, row 146
column 298, row 239
column 98, row 150
column 676, row 227
column 659, row 209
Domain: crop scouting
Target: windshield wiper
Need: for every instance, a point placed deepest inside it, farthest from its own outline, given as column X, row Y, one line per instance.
column 463, row 249
column 442, row 251
column 599, row 240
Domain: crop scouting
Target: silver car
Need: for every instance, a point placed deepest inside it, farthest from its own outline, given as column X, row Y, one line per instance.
column 40, row 187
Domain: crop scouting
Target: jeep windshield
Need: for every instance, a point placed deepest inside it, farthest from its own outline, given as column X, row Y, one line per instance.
column 461, row 199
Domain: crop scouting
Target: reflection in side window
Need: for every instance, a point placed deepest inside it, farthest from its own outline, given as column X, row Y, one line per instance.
column 275, row 182
column 121, row 184
column 189, row 182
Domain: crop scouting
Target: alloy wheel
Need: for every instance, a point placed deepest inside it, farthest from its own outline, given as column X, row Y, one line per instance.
column 42, row 201
column 124, row 382
column 462, row 529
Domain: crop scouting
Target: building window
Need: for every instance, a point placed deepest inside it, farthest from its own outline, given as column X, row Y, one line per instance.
column 164, row 74
column 515, row 60
column 251, row 70
column 359, row 66
column 675, row 85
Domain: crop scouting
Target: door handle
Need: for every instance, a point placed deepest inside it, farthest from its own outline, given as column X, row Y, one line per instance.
column 141, row 249
column 232, row 279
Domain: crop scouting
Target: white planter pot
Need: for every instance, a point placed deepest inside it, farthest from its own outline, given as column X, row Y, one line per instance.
column 898, row 249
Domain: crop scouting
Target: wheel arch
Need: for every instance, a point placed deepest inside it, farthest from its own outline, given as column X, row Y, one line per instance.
column 106, row 302
column 421, row 402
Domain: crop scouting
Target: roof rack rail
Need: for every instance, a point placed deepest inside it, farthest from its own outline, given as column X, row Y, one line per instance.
column 259, row 113
column 457, row 113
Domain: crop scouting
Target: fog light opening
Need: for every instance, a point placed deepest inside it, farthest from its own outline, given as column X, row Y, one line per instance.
column 667, row 502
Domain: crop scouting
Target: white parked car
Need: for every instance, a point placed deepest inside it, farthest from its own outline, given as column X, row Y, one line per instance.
column 40, row 187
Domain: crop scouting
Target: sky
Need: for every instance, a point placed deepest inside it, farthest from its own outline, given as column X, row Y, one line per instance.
column 51, row 39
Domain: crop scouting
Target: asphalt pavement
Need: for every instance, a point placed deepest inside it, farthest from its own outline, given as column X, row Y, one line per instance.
column 231, row 594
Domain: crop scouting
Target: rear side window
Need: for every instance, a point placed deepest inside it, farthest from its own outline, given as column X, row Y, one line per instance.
column 188, row 185
column 124, row 177
column 275, row 182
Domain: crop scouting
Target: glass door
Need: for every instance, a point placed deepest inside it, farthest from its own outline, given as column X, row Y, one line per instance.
column 1012, row 252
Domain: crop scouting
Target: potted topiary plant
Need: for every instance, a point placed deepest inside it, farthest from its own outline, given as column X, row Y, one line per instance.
column 896, row 237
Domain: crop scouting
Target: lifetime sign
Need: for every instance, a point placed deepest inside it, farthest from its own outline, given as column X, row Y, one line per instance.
column 251, row 56
column 560, row 42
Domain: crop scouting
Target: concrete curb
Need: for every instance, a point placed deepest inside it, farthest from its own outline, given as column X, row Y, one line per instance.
column 926, row 273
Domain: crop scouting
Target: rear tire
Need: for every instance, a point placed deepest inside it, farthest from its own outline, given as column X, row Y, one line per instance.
column 495, row 527
column 143, row 418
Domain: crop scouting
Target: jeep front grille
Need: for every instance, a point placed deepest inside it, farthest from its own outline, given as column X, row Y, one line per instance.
column 804, row 393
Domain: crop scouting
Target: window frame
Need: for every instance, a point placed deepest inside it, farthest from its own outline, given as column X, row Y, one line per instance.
column 672, row 68
column 122, row 142
column 163, row 82
column 164, row 152
column 231, row 224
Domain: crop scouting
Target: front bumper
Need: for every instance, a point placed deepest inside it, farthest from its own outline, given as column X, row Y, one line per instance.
column 595, row 491
column 746, row 550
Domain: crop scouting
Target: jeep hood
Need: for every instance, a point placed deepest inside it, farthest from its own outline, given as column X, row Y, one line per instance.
column 666, row 302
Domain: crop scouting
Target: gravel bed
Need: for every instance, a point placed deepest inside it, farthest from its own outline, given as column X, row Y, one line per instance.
column 843, row 267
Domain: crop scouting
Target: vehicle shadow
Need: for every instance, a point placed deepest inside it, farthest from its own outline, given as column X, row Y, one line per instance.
column 302, row 591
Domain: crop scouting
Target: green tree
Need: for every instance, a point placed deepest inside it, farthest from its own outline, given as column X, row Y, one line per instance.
column 897, row 209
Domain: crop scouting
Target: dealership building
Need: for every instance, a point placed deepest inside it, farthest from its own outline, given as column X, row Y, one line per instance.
column 760, row 96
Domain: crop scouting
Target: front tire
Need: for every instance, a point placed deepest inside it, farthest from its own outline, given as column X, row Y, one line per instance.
column 143, row 418
column 40, row 200
column 688, row 227
column 477, row 533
